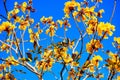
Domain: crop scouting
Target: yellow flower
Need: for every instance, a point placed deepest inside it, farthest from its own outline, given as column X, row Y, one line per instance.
column 1, row 75
column 30, row 31
column 87, row 12
column 93, row 45
column 92, row 26
column 91, row 68
column 23, row 6
column 7, row 26
column 70, row 6
column 74, row 63
column 45, row 64
column 33, row 36
column 60, row 22
column 117, row 39
column 118, row 78
column 11, row 61
column 99, row 14
column 4, row 47
column 23, row 25
column 47, row 54
column 95, row 60
column 51, row 30
column 105, row 27
column 45, row 20
column 75, row 13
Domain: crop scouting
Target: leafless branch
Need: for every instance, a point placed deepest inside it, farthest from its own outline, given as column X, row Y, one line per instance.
column 113, row 11
column 9, row 46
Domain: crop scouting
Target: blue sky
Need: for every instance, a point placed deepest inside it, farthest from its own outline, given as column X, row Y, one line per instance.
column 55, row 8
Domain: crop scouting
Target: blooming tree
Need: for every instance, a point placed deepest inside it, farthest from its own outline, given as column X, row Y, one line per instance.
column 21, row 30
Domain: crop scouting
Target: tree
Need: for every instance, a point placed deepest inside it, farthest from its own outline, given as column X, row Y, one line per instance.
column 79, row 58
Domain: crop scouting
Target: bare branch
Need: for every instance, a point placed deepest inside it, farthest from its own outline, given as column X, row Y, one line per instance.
column 113, row 11
column 4, row 2
column 10, row 46
column 78, row 42
column 4, row 17
column 61, row 72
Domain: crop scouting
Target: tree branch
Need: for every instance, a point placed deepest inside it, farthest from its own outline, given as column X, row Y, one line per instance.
column 113, row 11
column 4, row 2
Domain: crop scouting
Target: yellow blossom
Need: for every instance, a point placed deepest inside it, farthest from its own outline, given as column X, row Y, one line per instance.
column 117, row 39
column 60, row 22
column 105, row 27
column 95, row 60
column 33, row 36
column 23, row 6
column 51, row 30
column 70, row 6
column 93, row 45
column 4, row 47
column 23, row 25
column 11, row 61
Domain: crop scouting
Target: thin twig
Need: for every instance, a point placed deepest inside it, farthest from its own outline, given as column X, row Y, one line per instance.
column 54, row 75
column 61, row 72
column 4, row 17
column 4, row 2
column 113, row 11
column 18, row 47
column 22, row 37
column 86, row 77
column 78, row 42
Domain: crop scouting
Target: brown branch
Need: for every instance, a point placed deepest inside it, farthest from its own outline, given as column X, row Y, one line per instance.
column 77, row 26
column 111, row 75
column 61, row 72
column 4, row 2
column 4, row 17
column 18, row 47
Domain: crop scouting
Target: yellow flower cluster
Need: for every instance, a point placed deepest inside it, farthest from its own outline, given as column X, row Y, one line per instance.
column 23, row 24
column 93, row 45
column 4, row 47
column 116, row 42
column 7, row 26
column 85, row 14
column 113, row 62
column 13, row 14
column 105, row 27
column 45, row 64
column 64, row 23
column 11, row 61
column 95, row 62
column 7, row 76
column 100, row 28
column 92, row 26
column 117, row 39
column 70, row 6
column 23, row 6
column 34, row 36
column 61, row 54
column 52, row 25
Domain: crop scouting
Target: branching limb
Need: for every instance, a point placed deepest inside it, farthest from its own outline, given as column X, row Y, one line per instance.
column 9, row 46
column 78, row 42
